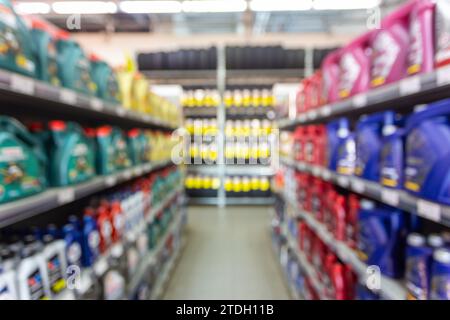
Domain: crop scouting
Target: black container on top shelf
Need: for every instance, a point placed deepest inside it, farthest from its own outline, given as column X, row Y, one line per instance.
column 319, row 55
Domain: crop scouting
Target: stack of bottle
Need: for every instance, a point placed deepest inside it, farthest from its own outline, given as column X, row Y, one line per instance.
column 201, row 185
column 43, row 262
column 247, row 186
column 417, row 37
column 249, row 101
column 200, row 99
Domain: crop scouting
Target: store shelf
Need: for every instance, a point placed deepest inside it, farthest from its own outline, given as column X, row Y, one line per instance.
column 390, row 289
column 159, row 207
column 23, row 95
column 203, row 112
column 22, row 209
column 396, row 198
column 152, row 255
column 234, row 170
column 404, row 94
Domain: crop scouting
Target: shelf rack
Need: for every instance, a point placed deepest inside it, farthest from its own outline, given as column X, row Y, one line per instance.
column 22, row 209
column 406, row 93
column 390, row 289
column 429, row 210
column 234, row 170
column 24, row 95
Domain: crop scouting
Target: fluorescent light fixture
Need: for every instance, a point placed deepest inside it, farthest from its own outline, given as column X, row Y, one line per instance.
column 84, row 7
column 281, row 5
column 32, row 7
column 150, row 6
column 199, row 6
column 345, row 4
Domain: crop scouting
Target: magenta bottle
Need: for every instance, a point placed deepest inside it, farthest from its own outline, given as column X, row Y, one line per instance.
column 330, row 74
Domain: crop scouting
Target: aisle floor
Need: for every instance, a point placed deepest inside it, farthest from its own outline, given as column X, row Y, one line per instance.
column 228, row 255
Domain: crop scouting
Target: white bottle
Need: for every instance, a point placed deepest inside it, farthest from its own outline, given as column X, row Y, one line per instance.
column 54, row 255
column 32, row 279
column 8, row 289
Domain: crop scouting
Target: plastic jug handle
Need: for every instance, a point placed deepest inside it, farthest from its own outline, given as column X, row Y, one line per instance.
column 437, row 109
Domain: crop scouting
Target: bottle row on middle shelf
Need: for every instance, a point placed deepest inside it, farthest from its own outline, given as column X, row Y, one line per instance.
column 408, row 153
column 233, row 128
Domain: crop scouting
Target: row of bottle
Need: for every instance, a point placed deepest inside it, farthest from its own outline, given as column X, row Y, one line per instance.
column 38, row 49
column 235, row 153
column 233, row 128
column 204, row 185
column 417, row 34
column 398, row 152
column 41, row 263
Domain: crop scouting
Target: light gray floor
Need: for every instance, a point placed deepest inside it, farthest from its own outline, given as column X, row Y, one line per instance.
column 228, row 256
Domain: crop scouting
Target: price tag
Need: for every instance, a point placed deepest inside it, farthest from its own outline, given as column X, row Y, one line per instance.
column 67, row 96
column 443, row 76
column 301, row 166
column 359, row 100
column 312, row 114
column 316, row 171
column 22, row 84
column 97, row 104
column 390, row 197
column 325, row 111
column 110, row 180
column 343, row 181
column 120, row 111
column 66, row 195
column 429, row 210
column 147, row 118
column 127, row 174
column 302, row 118
column 101, row 266
column 410, row 86
column 358, row 186
column 326, row 174
column 138, row 171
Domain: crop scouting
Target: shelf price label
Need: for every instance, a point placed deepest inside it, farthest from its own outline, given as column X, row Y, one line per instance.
column 110, row 180
column 316, row 171
column 127, row 174
column 326, row 174
column 325, row 111
column 410, row 86
column 390, row 197
column 312, row 115
column 138, row 171
column 96, row 104
column 66, row 195
column 67, row 96
column 443, row 76
column 343, row 181
column 120, row 111
column 22, row 84
column 358, row 186
column 359, row 101
column 429, row 210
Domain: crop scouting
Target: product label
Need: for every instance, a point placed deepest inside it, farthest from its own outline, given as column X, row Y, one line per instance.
column 36, row 286
column 94, row 242
column 417, row 278
column 81, row 163
column 350, row 71
column 114, row 285
column 442, row 32
column 347, row 157
column 55, row 275
column 440, row 285
column 385, row 53
column 415, row 56
column 74, row 254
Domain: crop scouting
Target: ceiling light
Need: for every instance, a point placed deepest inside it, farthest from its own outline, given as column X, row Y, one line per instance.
column 84, row 7
column 150, row 6
column 280, row 5
column 214, row 6
column 345, row 4
column 32, row 7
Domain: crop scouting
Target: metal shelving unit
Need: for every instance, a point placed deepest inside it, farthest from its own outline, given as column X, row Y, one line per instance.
column 403, row 94
column 397, row 198
column 22, row 209
column 27, row 96
column 390, row 289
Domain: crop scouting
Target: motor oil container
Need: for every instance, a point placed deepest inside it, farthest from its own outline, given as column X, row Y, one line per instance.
column 330, row 75
column 105, row 227
column 112, row 150
column 55, row 258
column 71, row 158
column 125, row 81
column 346, row 155
column 74, row 68
column 362, row 293
column 32, row 278
column 136, row 146
column 392, row 159
column 113, row 283
column 442, row 33
column 421, row 33
column 440, row 275
column 338, row 136
column 381, row 239
column 140, row 91
column 16, row 46
column 351, row 226
column 418, row 267
column 22, row 162
column 118, row 220
column 72, row 238
column 390, row 46
column 90, row 241
column 105, row 80
column 339, row 217
column 427, row 173
column 44, row 38
column 355, row 67
column 8, row 289
column 369, row 134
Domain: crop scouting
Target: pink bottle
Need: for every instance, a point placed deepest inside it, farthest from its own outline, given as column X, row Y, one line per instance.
column 330, row 78
column 355, row 67
column 442, row 33
column 421, row 31
column 390, row 47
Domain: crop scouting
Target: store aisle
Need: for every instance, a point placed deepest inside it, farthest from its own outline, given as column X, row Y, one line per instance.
column 228, row 256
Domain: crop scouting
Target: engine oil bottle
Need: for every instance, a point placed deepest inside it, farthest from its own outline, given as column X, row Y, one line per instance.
column 105, row 80
column 112, row 150
column 32, row 278
column 427, row 156
column 392, row 159
column 54, row 254
column 338, row 133
column 70, row 154
column 16, row 46
column 442, row 33
column 44, row 39
column 72, row 240
column 440, row 275
column 74, row 68
column 136, row 146
column 330, row 74
column 90, row 241
column 8, row 289
column 105, row 228
column 112, row 282
column 22, row 162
